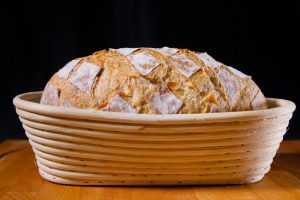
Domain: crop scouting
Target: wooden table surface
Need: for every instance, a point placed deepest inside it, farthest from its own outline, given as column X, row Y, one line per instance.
column 19, row 179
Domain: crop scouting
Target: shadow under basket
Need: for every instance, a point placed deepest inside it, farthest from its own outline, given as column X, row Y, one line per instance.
column 88, row 147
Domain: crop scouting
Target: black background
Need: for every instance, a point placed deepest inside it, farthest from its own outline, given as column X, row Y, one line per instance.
column 38, row 38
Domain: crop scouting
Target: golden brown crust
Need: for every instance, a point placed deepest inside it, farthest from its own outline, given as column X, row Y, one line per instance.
column 152, row 81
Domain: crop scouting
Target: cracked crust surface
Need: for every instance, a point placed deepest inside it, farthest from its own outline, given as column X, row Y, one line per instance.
column 196, row 83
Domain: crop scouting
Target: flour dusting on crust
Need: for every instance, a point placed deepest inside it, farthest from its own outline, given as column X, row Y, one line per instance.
column 208, row 60
column 166, row 51
column 165, row 102
column 144, row 62
column 50, row 95
column 66, row 103
column 119, row 104
column 184, row 65
column 125, row 51
column 65, row 71
column 213, row 109
column 237, row 72
column 229, row 83
column 85, row 76
column 160, row 80
column 259, row 101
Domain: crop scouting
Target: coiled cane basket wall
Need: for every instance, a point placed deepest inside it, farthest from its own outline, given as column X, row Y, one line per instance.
column 87, row 147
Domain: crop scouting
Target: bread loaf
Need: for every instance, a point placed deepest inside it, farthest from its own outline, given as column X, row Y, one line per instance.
column 152, row 81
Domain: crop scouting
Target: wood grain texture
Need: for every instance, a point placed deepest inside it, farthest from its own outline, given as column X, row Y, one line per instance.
column 84, row 147
column 19, row 179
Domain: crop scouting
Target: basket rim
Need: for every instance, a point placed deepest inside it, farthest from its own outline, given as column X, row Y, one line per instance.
column 28, row 101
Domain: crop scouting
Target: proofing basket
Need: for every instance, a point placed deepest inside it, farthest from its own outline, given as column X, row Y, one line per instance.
column 87, row 147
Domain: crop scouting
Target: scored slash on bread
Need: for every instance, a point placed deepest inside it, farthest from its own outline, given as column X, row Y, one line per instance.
column 66, row 70
column 229, row 83
column 119, row 104
column 50, row 95
column 64, row 101
column 208, row 60
column 84, row 77
column 186, row 66
column 166, row 51
column 152, row 81
column 144, row 62
column 256, row 103
column 125, row 51
column 165, row 102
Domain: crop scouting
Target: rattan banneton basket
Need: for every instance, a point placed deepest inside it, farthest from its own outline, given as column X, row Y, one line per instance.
column 87, row 147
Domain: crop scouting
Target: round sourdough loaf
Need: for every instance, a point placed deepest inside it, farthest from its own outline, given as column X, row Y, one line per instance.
column 152, row 81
